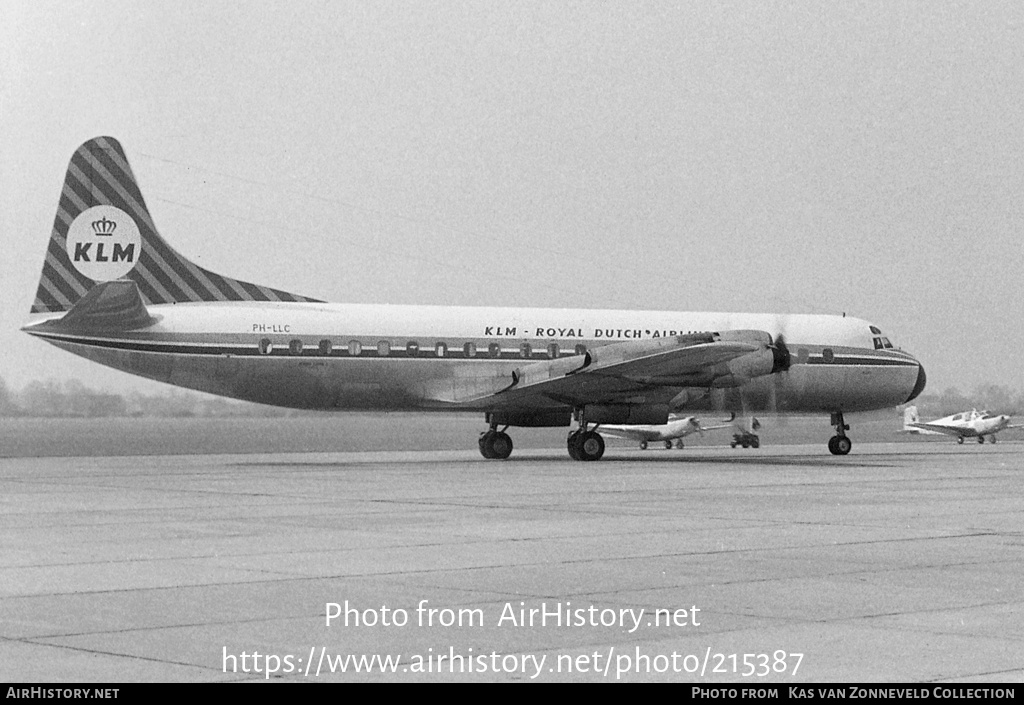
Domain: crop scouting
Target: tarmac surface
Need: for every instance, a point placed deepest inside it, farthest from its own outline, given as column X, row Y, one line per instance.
column 898, row 563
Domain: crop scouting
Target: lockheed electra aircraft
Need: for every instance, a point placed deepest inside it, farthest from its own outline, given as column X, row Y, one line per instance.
column 113, row 291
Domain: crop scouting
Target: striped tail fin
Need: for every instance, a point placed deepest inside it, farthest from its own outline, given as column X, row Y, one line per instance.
column 103, row 231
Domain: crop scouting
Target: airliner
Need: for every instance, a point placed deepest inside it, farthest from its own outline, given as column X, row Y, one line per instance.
column 965, row 424
column 114, row 291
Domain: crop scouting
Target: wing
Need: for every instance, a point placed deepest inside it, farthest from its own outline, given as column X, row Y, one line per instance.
column 630, row 433
column 716, row 428
column 639, row 373
column 948, row 430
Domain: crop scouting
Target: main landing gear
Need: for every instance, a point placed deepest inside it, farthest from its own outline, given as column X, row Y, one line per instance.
column 584, row 444
column 495, row 444
column 839, row 444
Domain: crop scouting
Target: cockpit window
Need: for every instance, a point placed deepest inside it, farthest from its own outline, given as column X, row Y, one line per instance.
column 882, row 343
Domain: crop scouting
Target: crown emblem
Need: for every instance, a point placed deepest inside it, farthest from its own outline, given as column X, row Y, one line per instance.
column 104, row 227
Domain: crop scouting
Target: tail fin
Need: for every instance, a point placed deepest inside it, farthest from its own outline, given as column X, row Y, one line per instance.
column 103, row 231
column 910, row 417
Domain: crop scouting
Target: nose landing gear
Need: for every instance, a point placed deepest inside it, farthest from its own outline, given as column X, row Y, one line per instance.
column 839, row 444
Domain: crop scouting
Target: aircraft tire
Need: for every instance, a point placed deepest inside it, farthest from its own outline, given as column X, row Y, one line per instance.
column 981, row 439
column 485, row 445
column 501, row 445
column 843, row 445
column 590, row 446
column 572, row 443
column 960, row 440
column 991, row 439
column 643, row 445
column 668, row 445
column 755, row 442
column 679, row 444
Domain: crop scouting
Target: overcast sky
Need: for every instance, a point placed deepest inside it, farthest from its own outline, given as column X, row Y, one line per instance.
column 808, row 157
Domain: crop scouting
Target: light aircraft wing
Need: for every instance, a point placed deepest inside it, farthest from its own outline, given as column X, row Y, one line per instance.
column 717, row 427
column 620, row 372
column 948, row 430
column 633, row 433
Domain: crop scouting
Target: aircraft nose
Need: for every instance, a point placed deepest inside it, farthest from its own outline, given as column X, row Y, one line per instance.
column 922, row 379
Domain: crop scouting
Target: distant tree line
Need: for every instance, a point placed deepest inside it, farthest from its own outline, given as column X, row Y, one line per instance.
column 71, row 398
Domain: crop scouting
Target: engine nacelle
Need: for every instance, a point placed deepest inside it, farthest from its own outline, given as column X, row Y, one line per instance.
column 628, row 414
column 531, row 419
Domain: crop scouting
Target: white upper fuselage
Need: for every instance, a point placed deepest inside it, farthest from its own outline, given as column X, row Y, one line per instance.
column 369, row 356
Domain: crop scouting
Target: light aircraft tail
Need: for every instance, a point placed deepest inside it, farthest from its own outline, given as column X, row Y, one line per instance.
column 104, row 232
column 910, row 417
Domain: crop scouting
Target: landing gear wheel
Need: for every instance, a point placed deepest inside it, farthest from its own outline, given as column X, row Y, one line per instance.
column 485, row 444
column 643, row 445
column 991, row 439
column 839, row 445
column 679, row 444
column 572, row 443
column 960, row 440
column 495, row 445
column 668, row 445
column 755, row 442
column 501, row 445
column 981, row 439
column 590, row 446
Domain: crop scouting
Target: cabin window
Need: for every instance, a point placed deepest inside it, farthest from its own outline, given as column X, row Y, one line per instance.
column 383, row 348
column 581, row 349
column 441, row 349
column 325, row 347
column 355, row 348
column 827, row 355
column 266, row 346
column 553, row 351
column 525, row 350
column 469, row 349
column 494, row 350
column 295, row 346
column 412, row 348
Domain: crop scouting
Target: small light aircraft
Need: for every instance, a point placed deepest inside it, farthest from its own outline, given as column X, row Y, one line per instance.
column 966, row 424
column 677, row 428
column 114, row 291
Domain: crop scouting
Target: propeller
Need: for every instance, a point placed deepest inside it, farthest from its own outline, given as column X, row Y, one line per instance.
column 783, row 359
column 780, row 355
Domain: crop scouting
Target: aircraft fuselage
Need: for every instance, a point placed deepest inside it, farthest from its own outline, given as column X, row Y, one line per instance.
column 389, row 357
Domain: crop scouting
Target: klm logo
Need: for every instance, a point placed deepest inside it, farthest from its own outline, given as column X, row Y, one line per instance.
column 103, row 243
column 120, row 253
